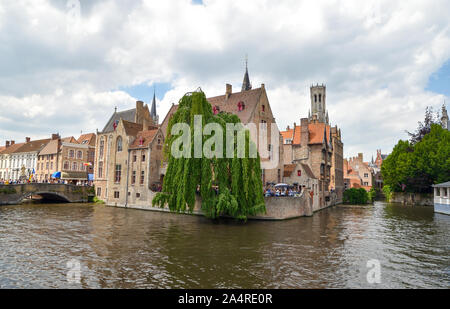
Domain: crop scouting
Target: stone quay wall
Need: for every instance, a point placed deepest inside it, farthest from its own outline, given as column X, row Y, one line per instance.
column 277, row 208
column 415, row 199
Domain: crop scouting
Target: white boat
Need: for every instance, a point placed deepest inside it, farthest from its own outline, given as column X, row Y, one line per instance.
column 441, row 198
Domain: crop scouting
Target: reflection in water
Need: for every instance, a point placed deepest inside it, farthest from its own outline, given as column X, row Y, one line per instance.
column 123, row 248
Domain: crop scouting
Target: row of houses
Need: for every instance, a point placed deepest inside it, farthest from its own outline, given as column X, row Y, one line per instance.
column 55, row 158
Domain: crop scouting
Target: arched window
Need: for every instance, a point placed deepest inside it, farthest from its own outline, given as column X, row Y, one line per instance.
column 100, row 169
column 315, row 98
column 66, row 165
column 119, row 144
column 71, row 154
column 74, row 166
column 320, row 97
column 79, row 154
column 101, row 149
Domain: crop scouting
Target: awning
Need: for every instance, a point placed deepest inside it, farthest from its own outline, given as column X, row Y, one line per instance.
column 74, row 176
column 91, row 177
column 56, row 175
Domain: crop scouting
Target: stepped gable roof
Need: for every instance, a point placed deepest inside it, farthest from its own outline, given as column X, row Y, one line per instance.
column 86, row 139
column 33, row 146
column 146, row 136
column 50, row 148
column 308, row 171
column 12, row 148
column 131, row 128
column 128, row 115
column 250, row 98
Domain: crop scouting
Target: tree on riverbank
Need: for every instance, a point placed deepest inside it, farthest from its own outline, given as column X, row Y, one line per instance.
column 416, row 167
column 355, row 196
column 227, row 186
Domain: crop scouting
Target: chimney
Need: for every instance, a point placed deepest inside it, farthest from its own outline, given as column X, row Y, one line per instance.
column 27, row 139
column 7, row 144
column 263, row 86
column 145, row 124
column 360, row 156
column 288, row 128
column 12, row 143
column 304, row 139
column 55, row 136
column 229, row 91
column 139, row 104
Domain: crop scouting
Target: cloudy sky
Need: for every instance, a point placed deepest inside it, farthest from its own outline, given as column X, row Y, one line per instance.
column 65, row 65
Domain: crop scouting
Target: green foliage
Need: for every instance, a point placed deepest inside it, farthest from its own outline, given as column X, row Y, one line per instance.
column 372, row 194
column 415, row 168
column 356, row 196
column 8, row 190
column 227, row 186
column 96, row 200
column 387, row 190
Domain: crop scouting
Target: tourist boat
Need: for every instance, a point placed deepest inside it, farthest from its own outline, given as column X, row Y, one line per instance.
column 441, row 198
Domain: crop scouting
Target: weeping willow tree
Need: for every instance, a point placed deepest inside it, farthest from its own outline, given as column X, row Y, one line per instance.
column 227, row 184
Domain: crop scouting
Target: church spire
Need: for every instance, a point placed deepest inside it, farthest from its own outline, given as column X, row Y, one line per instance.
column 153, row 109
column 246, row 85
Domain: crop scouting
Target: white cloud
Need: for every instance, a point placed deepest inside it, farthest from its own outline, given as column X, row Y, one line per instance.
column 58, row 71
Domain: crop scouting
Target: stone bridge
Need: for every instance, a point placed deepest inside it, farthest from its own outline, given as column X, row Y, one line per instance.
column 15, row 194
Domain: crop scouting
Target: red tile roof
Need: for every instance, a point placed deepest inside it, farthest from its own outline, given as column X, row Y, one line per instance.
column 143, row 139
column 12, row 148
column 88, row 139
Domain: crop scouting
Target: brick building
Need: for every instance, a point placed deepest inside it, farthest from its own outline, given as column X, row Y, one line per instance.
column 252, row 106
column 358, row 174
column 314, row 143
column 128, row 157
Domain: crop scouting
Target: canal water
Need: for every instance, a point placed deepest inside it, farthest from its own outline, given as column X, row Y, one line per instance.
column 42, row 246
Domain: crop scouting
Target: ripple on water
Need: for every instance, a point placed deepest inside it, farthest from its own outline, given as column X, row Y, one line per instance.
column 121, row 248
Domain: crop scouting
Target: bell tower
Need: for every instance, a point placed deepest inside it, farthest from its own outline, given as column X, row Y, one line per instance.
column 318, row 103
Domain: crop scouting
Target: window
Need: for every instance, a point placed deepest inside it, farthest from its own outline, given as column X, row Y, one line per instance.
column 366, row 175
column 320, row 97
column 119, row 144
column 66, row 165
column 51, row 165
column 99, row 191
column 134, row 157
column 71, row 154
column 82, row 167
column 299, row 173
column 116, row 194
column 315, row 98
column 263, row 108
column 74, row 166
column 46, row 165
column 118, row 173
column 100, row 169
column 445, row 192
column 366, row 184
column 133, row 178
column 143, row 158
column 138, row 195
column 142, row 177
column 101, row 149
column 79, row 154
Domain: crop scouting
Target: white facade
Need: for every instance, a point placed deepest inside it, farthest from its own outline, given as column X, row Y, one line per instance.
column 442, row 198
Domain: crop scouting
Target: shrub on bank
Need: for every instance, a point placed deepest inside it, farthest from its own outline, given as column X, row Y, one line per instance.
column 387, row 190
column 356, row 196
column 96, row 200
column 8, row 190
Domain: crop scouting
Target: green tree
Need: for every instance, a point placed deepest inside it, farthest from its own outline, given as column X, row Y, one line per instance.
column 415, row 168
column 227, row 186
column 356, row 196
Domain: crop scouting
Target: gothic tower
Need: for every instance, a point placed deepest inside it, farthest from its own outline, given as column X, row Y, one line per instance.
column 318, row 103
column 444, row 119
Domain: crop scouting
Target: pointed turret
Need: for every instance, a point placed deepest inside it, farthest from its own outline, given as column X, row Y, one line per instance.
column 444, row 118
column 246, row 85
column 153, row 109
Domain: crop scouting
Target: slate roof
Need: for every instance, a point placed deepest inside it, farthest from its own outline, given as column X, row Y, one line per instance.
column 128, row 115
column 443, row 185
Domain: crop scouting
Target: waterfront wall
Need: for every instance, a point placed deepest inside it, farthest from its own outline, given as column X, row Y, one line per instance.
column 415, row 199
column 277, row 208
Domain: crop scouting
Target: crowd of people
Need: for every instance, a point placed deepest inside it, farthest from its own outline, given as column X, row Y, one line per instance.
column 46, row 181
column 282, row 191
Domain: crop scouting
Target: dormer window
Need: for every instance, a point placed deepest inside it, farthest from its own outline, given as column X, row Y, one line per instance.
column 241, row 106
